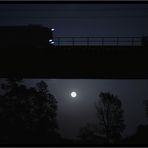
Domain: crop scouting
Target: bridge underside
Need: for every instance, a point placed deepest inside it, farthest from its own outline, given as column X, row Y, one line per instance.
column 75, row 62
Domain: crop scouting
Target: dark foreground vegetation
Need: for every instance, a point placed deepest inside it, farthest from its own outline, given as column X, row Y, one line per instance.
column 28, row 115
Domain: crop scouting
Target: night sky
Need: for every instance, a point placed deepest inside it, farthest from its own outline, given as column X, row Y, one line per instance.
column 87, row 20
column 80, row 19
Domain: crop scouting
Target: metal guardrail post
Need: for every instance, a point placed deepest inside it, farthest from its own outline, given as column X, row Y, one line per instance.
column 102, row 41
column 73, row 41
column 132, row 41
column 87, row 41
column 58, row 41
column 117, row 41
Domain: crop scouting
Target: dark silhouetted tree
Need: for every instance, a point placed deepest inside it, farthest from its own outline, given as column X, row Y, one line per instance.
column 45, row 110
column 88, row 133
column 110, row 116
column 28, row 115
column 146, row 107
column 139, row 137
column 141, row 134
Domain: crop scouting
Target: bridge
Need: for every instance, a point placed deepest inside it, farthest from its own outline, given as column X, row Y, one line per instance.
column 63, row 60
column 98, row 41
column 123, row 62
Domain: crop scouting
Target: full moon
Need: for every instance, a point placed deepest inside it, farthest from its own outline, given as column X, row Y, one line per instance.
column 73, row 94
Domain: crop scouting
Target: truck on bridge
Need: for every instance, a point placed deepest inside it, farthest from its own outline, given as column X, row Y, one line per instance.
column 23, row 36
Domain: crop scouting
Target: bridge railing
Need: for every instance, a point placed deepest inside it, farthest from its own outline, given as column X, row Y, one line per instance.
column 98, row 41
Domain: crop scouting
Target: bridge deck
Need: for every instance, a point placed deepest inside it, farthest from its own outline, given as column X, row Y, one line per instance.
column 75, row 62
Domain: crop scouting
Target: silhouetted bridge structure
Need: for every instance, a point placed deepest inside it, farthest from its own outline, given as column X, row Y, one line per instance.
column 75, row 62
column 31, row 51
column 72, row 61
column 98, row 41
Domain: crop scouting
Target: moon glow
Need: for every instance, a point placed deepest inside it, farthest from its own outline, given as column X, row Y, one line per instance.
column 73, row 94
